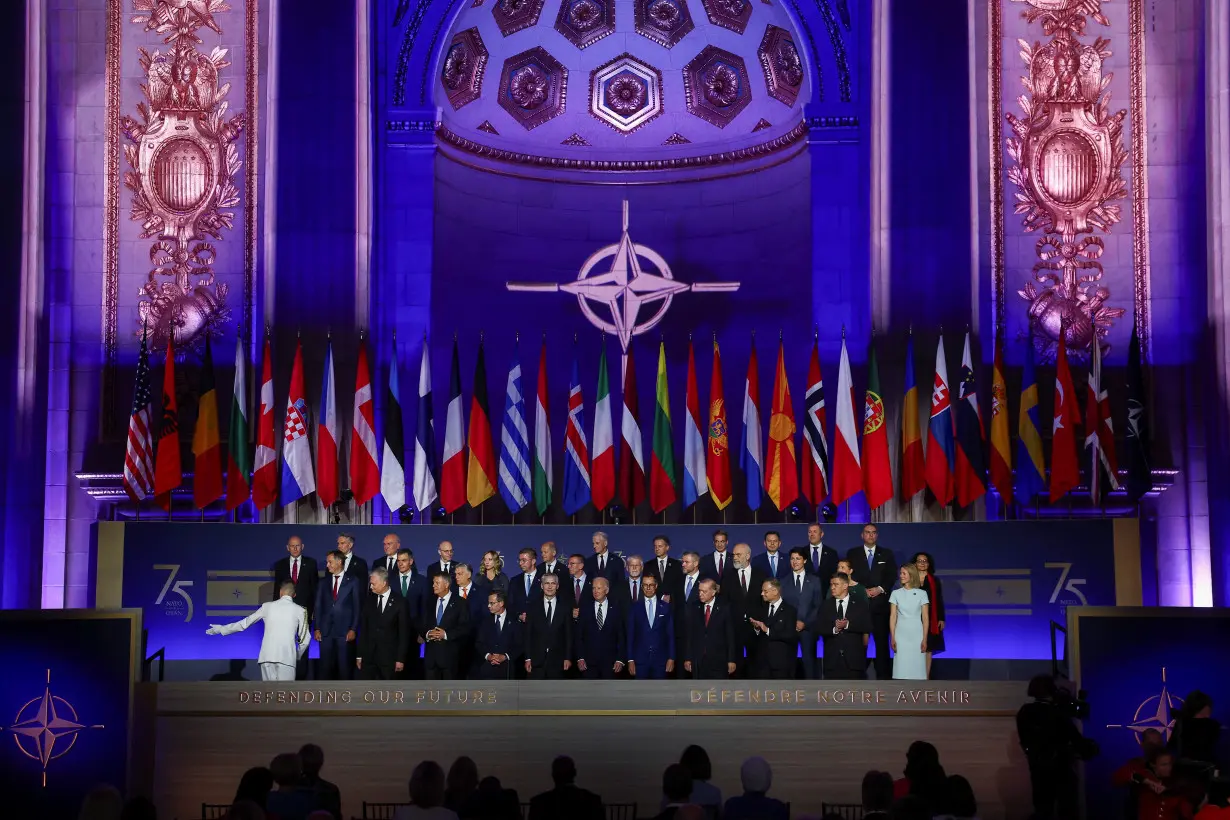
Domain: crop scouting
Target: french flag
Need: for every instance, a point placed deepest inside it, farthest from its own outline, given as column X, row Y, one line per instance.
column 941, row 448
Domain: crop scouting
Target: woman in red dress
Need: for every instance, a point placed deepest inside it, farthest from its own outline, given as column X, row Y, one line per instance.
column 1158, row 797
column 925, row 565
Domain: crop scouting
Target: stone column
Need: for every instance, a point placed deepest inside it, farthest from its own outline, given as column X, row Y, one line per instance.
column 1217, row 174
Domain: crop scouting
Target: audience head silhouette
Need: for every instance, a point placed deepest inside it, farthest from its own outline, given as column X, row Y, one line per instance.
column 563, row 771
column 254, row 786
column 756, row 775
column 427, row 785
column 877, row 791
column 676, row 783
column 102, row 803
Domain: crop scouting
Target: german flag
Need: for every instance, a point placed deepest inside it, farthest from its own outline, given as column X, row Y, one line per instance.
column 206, row 442
column 480, row 483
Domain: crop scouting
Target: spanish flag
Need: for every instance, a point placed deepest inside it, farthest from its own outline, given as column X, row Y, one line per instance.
column 1001, row 449
column 206, row 443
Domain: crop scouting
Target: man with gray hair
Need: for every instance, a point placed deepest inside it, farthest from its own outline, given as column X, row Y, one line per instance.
column 352, row 564
column 385, row 631
column 603, row 563
column 754, row 803
column 286, row 633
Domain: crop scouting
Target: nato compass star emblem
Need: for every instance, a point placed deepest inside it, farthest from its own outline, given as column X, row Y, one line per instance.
column 621, row 287
column 1153, row 713
column 46, row 728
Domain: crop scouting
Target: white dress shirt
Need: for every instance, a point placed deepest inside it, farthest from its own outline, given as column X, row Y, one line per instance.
column 720, row 560
column 382, row 601
column 689, row 583
column 651, row 608
column 549, row 606
column 600, row 609
column 799, row 579
column 772, row 611
column 441, row 609
column 465, row 591
column 842, row 614
column 575, row 580
column 773, row 558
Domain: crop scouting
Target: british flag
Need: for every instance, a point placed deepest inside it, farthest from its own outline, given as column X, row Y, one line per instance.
column 139, row 458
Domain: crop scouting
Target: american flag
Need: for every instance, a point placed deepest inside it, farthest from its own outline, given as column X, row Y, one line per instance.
column 139, row 459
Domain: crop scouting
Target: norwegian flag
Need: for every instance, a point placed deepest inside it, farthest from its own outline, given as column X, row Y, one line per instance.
column 816, row 462
column 139, row 458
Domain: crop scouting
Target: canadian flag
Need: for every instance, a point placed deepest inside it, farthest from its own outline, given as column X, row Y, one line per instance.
column 265, row 471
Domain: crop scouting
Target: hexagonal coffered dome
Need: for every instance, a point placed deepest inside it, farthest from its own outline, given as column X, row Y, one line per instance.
column 621, row 85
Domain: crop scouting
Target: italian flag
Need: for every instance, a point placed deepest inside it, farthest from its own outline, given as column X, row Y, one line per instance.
column 603, row 470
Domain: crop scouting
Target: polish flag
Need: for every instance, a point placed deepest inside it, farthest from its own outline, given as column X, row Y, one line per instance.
column 847, row 469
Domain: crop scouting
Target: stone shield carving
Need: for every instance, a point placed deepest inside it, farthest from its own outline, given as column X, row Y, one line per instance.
column 183, row 158
column 1069, row 154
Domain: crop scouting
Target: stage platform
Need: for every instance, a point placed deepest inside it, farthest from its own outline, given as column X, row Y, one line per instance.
column 193, row 741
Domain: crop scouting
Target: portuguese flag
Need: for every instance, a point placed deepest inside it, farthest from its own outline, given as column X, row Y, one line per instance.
column 877, row 470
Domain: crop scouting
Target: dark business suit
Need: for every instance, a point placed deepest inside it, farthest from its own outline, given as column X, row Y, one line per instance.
column 436, row 566
column 385, row 637
column 774, row 652
column 741, row 601
column 305, row 594
column 586, row 596
column 476, row 605
column 601, row 647
column 495, row 641
column 357, row 569
column 882, row 572
column 518, row 600
column 709, row 566
column 845, row 656
column 762, row 563
column 442, row 659
column 334, row 618
column 417, row 592
column 548, row 643
column 623, row 593
column 807, row 604
column 709, row 647
column 613, row 572
column 651, row 645
column 567, row 802
column 668, row 582
column 389, row 562
column 827, row 567
column 560, row 570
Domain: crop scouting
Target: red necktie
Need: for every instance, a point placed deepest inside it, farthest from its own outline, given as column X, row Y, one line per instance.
column 708, row 611
column 294, row 570
column 743, row 579
column 721, row 564
column 335, row 580
column 578, row 586
column 636, row 589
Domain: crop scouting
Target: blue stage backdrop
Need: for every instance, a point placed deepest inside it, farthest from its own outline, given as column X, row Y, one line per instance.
column 1137, row 665
column 1004, row 582
column 66, row 702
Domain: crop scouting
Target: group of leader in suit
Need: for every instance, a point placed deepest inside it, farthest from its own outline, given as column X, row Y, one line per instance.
column 705, row 616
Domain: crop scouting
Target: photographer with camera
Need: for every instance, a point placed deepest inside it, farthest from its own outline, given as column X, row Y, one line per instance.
column 1052, row 745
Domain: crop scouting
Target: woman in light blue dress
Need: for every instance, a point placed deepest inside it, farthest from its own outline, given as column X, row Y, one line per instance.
column 908, row 620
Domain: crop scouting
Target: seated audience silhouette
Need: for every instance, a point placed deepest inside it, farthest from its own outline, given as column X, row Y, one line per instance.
column 291, row 800
column 254, row 787
column 676, row 786
column 426, row 795
column 566, row 801
column 877, row 795
column 755, row 804
column 328, row 796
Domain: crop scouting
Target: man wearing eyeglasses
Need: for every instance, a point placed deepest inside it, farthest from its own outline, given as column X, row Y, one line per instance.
column 499, row 640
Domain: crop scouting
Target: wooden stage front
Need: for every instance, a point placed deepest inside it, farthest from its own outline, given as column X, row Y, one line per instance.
column 194, row 740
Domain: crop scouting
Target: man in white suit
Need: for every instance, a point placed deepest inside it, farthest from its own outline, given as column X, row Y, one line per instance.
column 286, row 634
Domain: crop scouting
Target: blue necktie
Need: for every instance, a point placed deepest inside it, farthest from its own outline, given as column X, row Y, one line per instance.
column 773, row 565
column 439, row 612
column 528, row 579
column 687, row 593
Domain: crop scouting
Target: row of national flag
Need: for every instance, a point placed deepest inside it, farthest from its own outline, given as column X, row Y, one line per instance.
column 956, row 464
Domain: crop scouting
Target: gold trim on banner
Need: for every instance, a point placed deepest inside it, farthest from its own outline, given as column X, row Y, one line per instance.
column 1140, row 173
column 995, row 68
column 111, row 218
